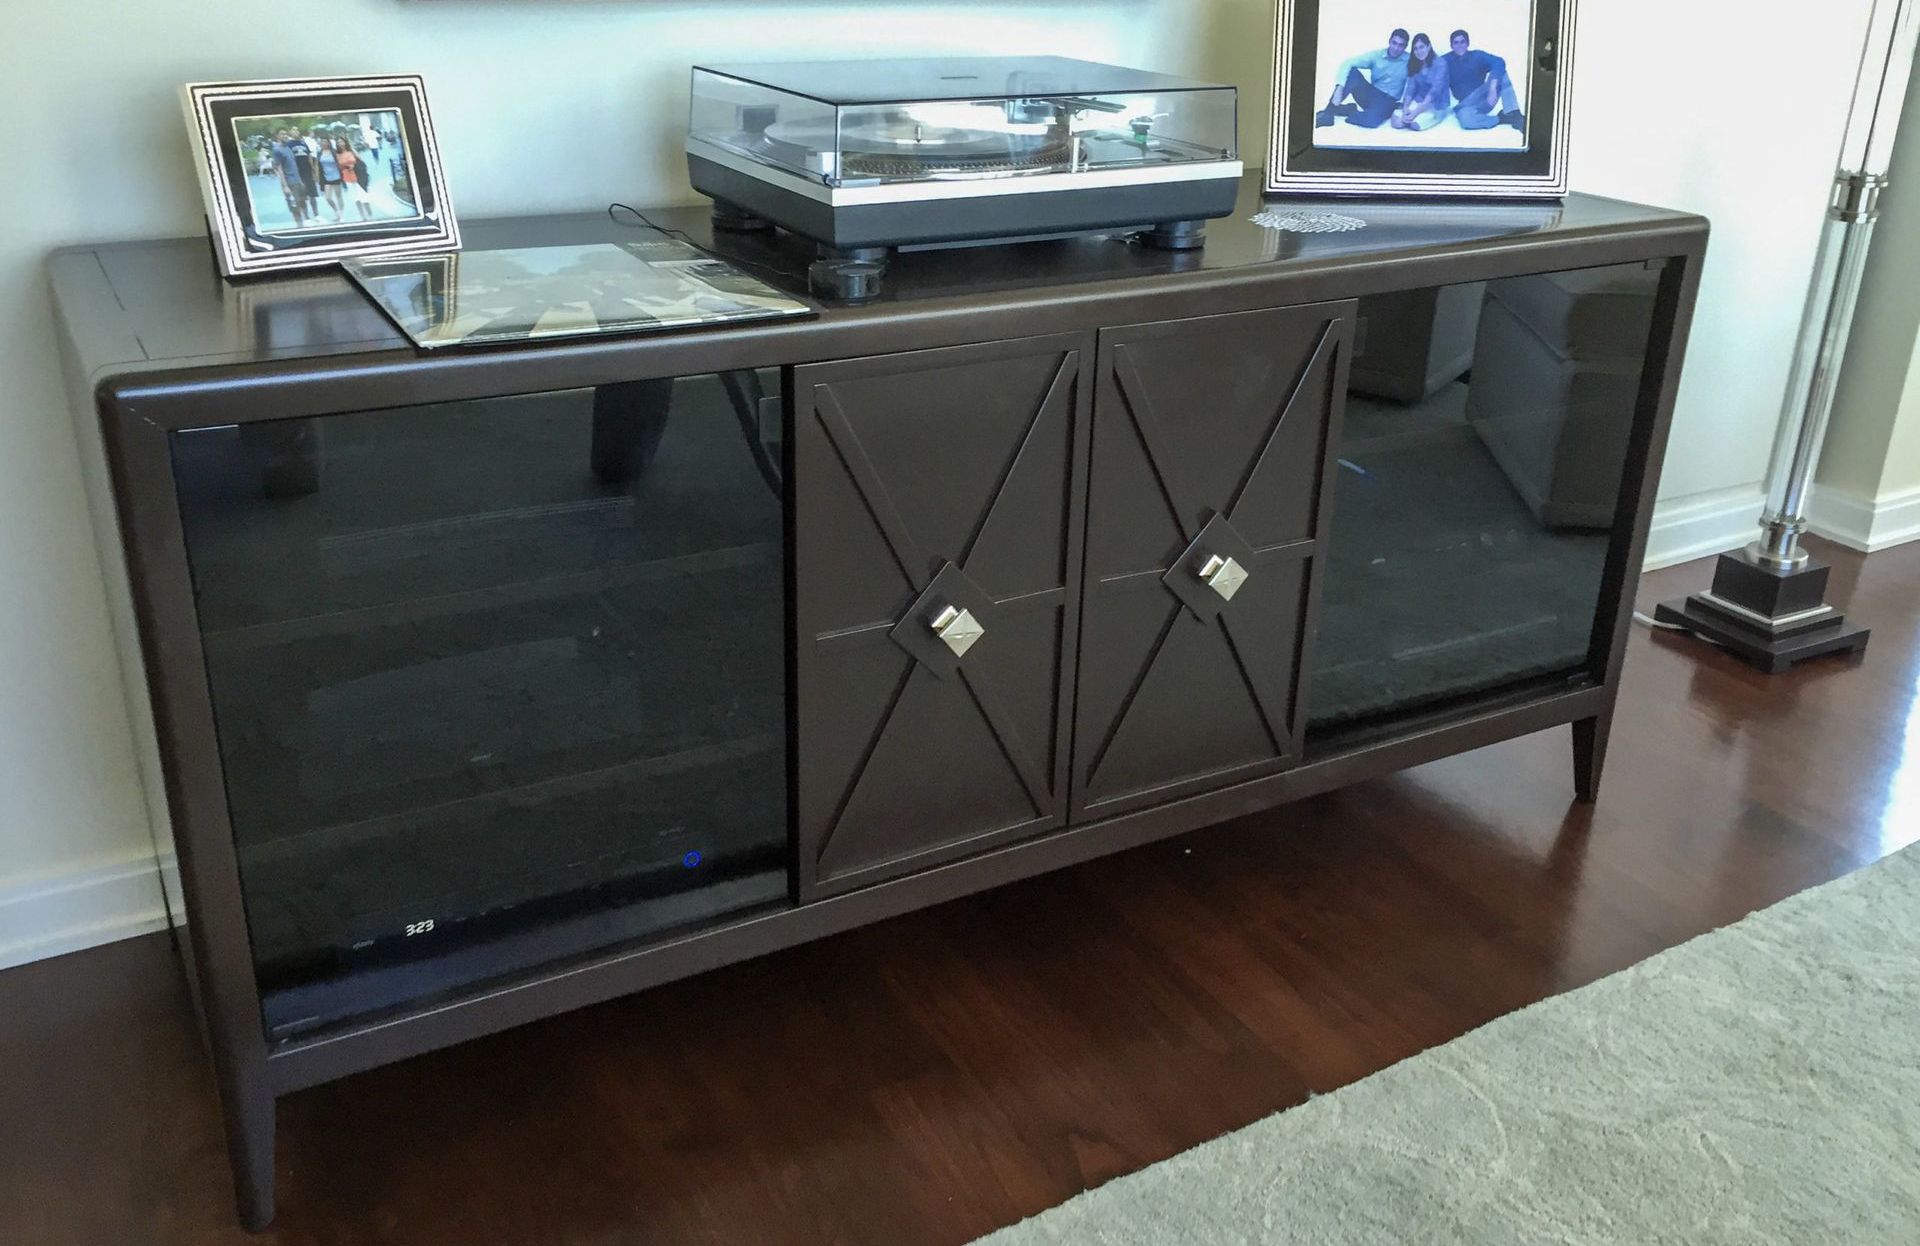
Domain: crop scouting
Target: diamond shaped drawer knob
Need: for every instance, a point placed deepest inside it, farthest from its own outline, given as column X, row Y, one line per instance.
column 957, row 629
column 1223, row 575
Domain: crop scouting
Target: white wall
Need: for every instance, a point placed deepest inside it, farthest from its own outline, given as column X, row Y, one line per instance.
column 569, row 103
column 1901, row 479
column 1868, row 495
column 1643, row 130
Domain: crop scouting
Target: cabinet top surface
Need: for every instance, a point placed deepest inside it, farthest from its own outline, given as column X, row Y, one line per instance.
column 159, row 307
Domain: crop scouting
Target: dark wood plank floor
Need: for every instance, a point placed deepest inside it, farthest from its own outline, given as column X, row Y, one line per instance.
column 933, row 1078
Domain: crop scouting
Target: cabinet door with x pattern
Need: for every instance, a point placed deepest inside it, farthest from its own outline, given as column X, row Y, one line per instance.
column 938, row 498
column 1212, row 442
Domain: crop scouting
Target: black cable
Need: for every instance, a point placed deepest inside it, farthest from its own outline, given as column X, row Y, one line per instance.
column 693, row 242
column 649, row 222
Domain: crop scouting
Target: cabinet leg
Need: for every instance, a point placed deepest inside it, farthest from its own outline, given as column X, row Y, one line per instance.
column 1589, row 756
column 250, row 1119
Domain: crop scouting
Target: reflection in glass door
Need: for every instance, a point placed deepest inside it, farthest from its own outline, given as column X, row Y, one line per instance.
column 1484, row 446
column 496, row 683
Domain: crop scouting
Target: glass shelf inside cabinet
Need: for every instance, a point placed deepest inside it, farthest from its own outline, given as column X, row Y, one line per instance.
column 1478, row 494
column 497, row 684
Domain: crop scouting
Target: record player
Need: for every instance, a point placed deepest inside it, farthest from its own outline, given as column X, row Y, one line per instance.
column 866, row 156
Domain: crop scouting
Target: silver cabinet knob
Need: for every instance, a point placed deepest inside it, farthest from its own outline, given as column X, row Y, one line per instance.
column 957, row 629
column 1223, row 575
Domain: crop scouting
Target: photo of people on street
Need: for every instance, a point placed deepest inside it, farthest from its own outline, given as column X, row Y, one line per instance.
column 317, row 173
column 1445, row 76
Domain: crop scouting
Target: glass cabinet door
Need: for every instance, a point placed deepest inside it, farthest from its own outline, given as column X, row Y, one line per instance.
column 496, row 683
column 1477, row 496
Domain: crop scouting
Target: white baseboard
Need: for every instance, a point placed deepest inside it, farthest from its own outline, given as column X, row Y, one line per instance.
column 82, row 908
column 1704, row 523
column 1865, row 524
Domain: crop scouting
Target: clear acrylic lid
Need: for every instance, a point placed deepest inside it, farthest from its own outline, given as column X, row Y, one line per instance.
column 854, row 123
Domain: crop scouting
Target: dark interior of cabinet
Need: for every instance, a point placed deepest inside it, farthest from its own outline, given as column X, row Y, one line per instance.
column 1477, row 494
column 496, row 683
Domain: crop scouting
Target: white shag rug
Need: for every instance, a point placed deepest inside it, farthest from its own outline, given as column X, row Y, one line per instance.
column 1759, row 1084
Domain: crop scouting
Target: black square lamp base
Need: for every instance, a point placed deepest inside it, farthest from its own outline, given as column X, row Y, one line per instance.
column 1768, row 619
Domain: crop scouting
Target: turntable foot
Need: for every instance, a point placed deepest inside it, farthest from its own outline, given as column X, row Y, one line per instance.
column 1176, row 235
column 734, row 219
column 843, row 277
column 872, row 255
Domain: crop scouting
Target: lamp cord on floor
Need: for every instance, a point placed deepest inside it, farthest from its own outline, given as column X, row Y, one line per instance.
column 1650, row 621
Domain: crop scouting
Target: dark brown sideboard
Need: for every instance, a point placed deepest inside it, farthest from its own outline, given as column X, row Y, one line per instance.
column 483, row 685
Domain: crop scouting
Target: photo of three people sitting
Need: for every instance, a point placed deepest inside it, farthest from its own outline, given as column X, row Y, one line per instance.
column 1406, row 86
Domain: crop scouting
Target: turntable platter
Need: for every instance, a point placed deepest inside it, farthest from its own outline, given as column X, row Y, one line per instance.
column 900, row 145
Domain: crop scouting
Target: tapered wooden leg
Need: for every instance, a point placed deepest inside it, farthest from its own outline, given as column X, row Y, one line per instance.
column 250, row 1117
column 1589, row 756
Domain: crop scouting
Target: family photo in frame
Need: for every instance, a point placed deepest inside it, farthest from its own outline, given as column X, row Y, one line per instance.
column 1422, row 97
column 327, row 171
column 311, row 171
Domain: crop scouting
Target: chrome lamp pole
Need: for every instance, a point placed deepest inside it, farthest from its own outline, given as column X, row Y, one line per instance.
column 1768, row 602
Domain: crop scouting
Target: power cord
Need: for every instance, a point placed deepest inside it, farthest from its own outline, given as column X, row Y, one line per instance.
column 649, row 222
column 1649, row 621
column 616, row 207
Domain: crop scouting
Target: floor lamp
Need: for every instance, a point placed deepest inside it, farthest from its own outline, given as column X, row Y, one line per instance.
column 1768, row 602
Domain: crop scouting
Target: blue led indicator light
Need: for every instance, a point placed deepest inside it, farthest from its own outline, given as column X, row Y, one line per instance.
column 691, row 860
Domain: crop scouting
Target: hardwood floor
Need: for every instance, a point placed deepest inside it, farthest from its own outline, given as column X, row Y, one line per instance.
column 930, row 1079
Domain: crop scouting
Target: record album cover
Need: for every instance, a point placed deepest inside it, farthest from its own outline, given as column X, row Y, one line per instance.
column 525, row 293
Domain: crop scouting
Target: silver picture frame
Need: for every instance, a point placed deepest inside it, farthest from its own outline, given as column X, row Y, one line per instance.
column 1295, row 166
column 242, row 219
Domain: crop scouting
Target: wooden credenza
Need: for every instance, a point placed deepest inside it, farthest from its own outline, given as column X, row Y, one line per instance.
column 484, row 685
